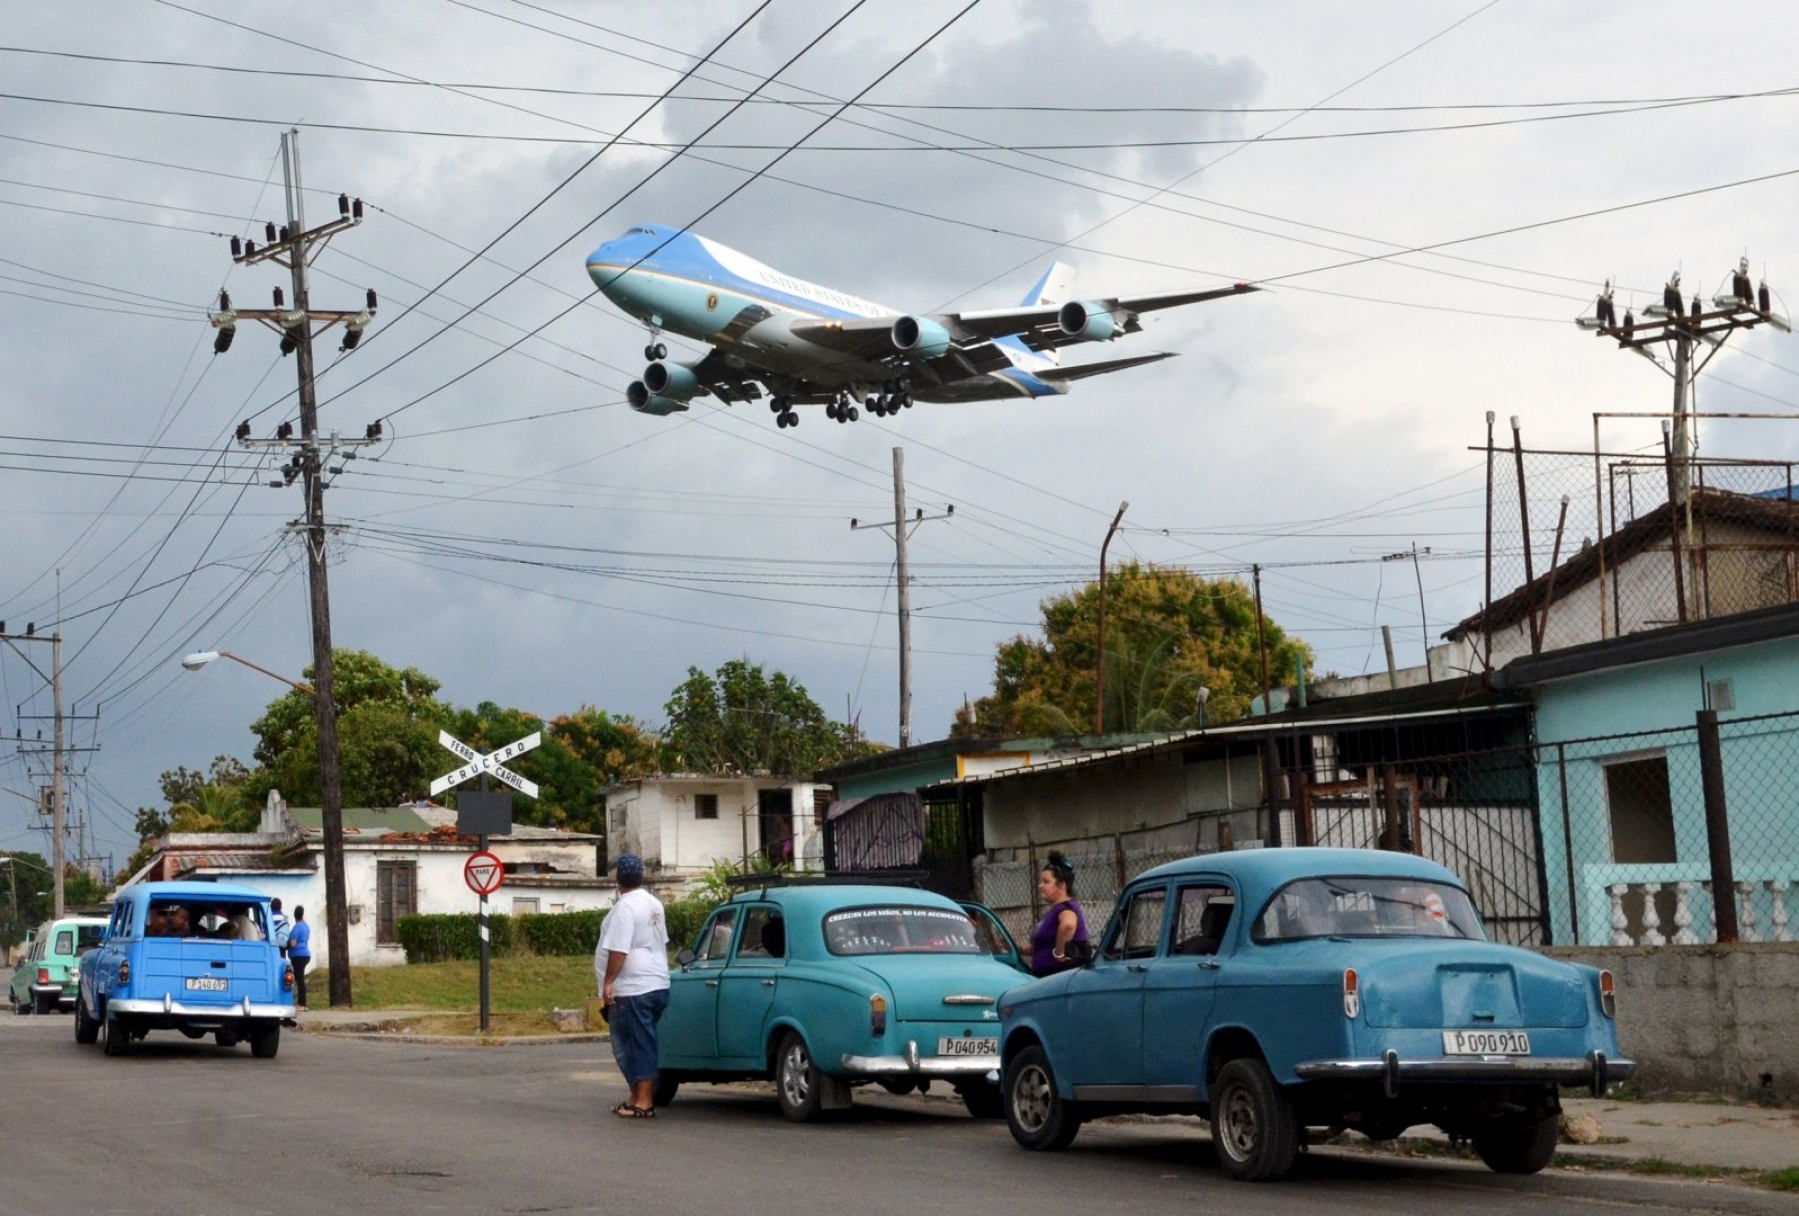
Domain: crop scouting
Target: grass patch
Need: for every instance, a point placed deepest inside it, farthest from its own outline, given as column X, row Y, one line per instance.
column 524, row 985
column 1782, row 1180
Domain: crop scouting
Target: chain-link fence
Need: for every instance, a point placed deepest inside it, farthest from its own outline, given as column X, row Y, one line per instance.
column 1681, row 836
column 1645, row 542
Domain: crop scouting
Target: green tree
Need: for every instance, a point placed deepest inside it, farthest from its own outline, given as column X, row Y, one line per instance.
column 1169, row 633
column 387, row 724
column 741, row 720
column 27, row 896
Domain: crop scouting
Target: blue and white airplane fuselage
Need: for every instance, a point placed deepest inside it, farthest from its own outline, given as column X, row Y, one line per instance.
column 800, row 342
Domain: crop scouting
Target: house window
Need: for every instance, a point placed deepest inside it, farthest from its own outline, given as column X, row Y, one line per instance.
column 524, row 907
column 705, row 806
column 1641, row 811
column 396, row 895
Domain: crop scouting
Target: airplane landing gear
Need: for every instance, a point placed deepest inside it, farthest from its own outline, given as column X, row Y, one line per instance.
column 841, row 410
column 782, row 408
column 655, row 352
column 891, row 401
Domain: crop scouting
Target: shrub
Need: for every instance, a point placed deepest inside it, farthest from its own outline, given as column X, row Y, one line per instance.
column 560, row 933
column 685, row 916
column 440, row 938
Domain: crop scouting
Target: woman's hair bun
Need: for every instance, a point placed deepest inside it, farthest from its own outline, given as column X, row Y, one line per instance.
column 1059, row 863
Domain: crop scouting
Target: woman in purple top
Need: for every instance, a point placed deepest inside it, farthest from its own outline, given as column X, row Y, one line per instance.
column 1063, row 923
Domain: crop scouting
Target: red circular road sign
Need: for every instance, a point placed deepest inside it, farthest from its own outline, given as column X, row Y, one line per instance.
column 483, row 872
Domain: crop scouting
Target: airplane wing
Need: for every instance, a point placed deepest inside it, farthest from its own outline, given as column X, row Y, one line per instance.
column 1062, row 375
column 1037, row 325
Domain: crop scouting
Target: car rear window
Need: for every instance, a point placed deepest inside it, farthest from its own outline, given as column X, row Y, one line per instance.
column 1351, row 906
column 209, row 918
column 900, row 929
column 88, row 936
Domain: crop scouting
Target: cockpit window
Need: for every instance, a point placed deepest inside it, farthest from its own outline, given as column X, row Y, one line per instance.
column 641, row 232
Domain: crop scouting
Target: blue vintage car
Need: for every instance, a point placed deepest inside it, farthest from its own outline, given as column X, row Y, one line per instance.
column 189, row 956
column 826, row 986
column 1283, row 989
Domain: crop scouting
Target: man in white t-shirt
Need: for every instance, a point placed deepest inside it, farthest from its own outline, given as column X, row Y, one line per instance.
column 631, row 962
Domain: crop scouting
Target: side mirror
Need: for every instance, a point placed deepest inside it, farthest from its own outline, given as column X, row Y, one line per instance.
column 1080, row 953
column 686, row 957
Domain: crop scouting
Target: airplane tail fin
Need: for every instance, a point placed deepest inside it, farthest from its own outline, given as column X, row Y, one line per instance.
column 1055, row 287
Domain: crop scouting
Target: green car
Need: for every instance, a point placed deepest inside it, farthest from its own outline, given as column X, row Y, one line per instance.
column 45, row 980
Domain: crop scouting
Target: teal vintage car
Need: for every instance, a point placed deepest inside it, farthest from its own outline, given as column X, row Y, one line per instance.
column 826, row 986
column 1275, row 990
column 45, row 979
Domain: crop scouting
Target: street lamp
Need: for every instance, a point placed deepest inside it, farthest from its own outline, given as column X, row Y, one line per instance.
column 200, row 658
column 330, row 816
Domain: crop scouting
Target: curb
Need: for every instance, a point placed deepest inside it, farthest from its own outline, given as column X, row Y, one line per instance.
column 394, row 1032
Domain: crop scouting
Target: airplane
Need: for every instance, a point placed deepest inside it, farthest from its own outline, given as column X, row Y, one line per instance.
column 776, row 336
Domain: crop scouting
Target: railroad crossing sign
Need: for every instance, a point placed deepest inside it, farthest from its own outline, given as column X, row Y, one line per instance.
column 489, row 763
column 483, row 872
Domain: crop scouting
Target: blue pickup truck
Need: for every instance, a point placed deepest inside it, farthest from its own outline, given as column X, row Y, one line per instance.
column 196, row 957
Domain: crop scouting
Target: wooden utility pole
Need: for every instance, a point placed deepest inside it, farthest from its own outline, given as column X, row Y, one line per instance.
column 294, row 247
column 902, row 576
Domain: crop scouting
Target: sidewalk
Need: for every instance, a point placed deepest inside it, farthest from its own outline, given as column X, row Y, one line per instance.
column 1694, row 1136
column 395, row 1025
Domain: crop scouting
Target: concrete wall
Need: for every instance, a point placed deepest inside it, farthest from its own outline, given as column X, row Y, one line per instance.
column 1706, row 1019
column 1127, row 794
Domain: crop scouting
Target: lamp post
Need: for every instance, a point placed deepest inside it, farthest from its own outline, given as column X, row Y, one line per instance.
column 331, row 824
column 1099, row 666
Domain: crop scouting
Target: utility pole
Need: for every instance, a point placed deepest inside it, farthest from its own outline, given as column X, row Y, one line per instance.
column 58, row 750
column 1669, row 323
column 901, row 527
column 1099, row 666
column 1423, row 621
column 294, row 247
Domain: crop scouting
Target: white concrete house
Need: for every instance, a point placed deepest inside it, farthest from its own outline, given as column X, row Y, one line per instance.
column 682, row 825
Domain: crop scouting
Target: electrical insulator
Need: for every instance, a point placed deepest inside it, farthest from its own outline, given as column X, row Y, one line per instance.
column 284, row 234
column 351, row 338
column 222, row 342
column 288, row 342
column 371, row 299
column 224, row 301
column 356, row 210
column 249, row 248
column 243, row 430
column 280, row 300
column 343, row 204
column 268, row 232
column 237, row 248
column 284, row 431
column 374, row 430
column 1697, row 308
column 1761, row 298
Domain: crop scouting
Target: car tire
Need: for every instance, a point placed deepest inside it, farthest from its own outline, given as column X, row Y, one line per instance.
column 1254, row 1129
column 983, row 1101
column 87, row 1031
column 43, row 1002
column 799, row 1085
column 1522, row 1144
column 21, row 1007
column 663, row 1092
column 265, row 1041
column 115, row 1035
column 1039, row 1117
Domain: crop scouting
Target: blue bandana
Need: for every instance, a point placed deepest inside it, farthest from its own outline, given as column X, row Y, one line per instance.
column 630, row 865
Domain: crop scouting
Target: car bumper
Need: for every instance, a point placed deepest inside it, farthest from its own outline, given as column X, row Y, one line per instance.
column 1595, row 1070
column 168, row 1006
column 912, row 1064
column 56, row 992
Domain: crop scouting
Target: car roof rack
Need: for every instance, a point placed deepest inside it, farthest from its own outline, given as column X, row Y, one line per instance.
column 740, row 883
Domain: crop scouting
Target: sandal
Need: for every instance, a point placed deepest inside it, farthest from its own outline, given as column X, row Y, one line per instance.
column 625, row 1110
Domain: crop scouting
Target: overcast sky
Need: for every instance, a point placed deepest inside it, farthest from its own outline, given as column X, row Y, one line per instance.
column 527, row 539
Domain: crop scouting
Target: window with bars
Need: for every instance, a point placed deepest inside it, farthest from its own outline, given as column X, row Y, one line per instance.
column 396, row 895
column 705, row 806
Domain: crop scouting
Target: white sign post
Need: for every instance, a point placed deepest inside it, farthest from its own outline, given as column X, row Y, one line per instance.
column 485, row 766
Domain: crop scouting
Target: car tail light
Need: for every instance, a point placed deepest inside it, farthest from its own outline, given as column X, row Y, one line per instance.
column 1608, row 994
column 287, row 979
column 124, row 971
column 877, row 1015
column 1352, row 993
column 43, row 975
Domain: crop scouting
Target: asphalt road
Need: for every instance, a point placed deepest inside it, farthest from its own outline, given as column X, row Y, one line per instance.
column 350, row 1125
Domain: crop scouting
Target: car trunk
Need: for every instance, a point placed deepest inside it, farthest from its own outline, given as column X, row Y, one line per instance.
column 224, row 972
column 1470, row 985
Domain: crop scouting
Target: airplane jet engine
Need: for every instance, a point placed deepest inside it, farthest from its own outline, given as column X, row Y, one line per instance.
column 920, row 336
column 1087, row 321
column 639, row 397
column 673, row 380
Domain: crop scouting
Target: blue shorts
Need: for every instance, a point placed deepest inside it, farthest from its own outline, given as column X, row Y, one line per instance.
column 633, row 1027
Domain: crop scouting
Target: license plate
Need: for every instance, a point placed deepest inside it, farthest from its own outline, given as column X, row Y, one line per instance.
column 1486, row 1043
column 968, row 1047
column 207, row 983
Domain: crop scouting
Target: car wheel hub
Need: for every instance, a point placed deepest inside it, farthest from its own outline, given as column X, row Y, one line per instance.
column 795, row 1066
column 1238, row 1123
column 1031, row 1099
